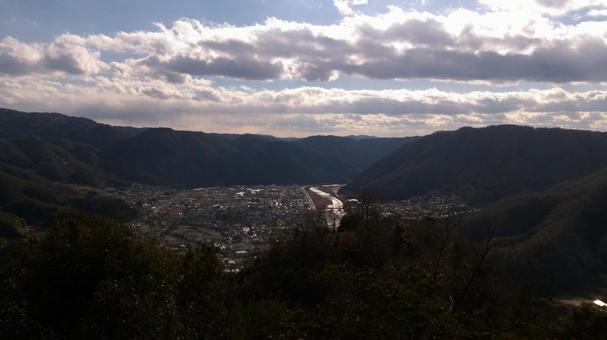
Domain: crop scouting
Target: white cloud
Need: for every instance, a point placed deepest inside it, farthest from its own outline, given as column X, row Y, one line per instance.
column 345, row 6
column 540, row 6
column 197, row 104
column 168, row 76
column 66, row 54
column 461, row 45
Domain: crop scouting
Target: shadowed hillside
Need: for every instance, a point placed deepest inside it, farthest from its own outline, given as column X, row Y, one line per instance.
column 191, row 159
column 485, row 164
column 557, row 239
column 79, row 150
column 360, row 153
column 43, row 154
column 58, row 126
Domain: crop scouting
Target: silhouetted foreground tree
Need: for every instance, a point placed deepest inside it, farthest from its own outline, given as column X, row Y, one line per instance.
column 89, row 278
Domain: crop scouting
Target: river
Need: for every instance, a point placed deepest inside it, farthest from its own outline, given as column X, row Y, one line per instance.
column 334, row 211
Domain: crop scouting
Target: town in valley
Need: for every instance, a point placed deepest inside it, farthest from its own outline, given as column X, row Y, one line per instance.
column 242, row 220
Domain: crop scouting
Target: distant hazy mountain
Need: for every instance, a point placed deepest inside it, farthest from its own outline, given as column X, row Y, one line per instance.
column 556, row 239
column 485, row 164
column 360, row 137
column 57, row 147
column 40, row 154
column 190, row 159
column 55, row 125
column 79, row 150
column 359, row 152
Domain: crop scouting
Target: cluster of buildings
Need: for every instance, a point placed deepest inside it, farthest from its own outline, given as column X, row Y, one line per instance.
column 434, row 205
column 241, row 220
column 238, row 221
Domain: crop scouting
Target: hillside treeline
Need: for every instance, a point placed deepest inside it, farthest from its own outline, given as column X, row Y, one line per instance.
column 377, row 278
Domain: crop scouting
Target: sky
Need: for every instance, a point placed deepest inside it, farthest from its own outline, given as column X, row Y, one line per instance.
column 308, row 67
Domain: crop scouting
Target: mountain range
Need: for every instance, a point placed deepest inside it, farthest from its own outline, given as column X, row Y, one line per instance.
column 484, row 165
column 556, row 239
column 542, row 192
column 42, row 155
column 196, row 159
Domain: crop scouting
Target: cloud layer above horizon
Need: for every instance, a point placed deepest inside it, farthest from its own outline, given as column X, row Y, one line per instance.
column 402, row 71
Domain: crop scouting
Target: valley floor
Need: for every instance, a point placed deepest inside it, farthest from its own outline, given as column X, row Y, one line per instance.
column 237, row 220
column 241, row 220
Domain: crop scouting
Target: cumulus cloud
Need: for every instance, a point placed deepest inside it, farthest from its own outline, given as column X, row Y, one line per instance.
column 197, row 104
column 496, row 46
column 553, row 3
column 170, row 75
column 345, row 6
column 402, row 45
column 241, row 68
column 543, row 6
column 68, row 54
column 18, row 58
column 65, row 55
